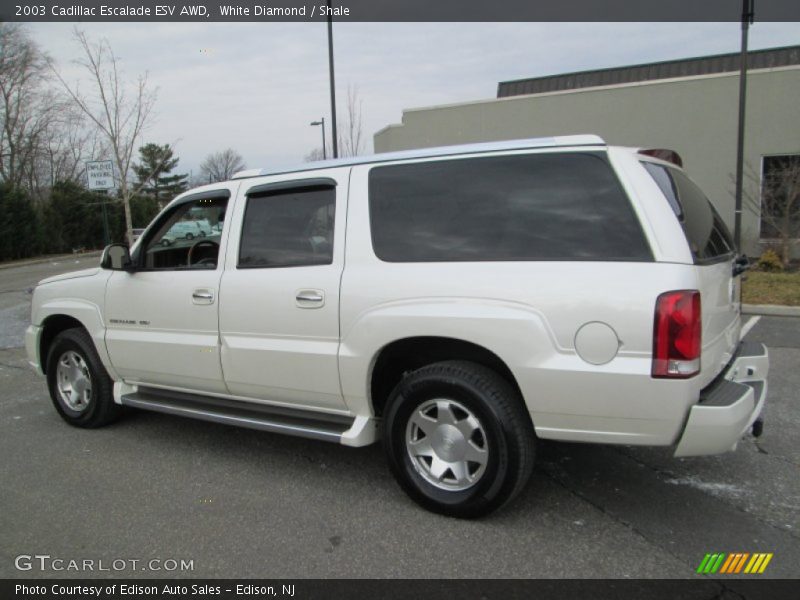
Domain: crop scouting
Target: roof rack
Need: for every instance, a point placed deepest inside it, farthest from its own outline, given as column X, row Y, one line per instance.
column 543, row 142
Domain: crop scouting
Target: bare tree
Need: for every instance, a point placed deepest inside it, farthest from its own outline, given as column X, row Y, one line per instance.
column 43, row 137
column 66, row 144
column 27, row 108
column 351, row 135
column 315, row 155
column 779, row 202
column 220, row 166
column 350, row 132
column 119, row 109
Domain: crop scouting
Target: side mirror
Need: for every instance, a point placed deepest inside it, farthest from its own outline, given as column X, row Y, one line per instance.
column 116, row 257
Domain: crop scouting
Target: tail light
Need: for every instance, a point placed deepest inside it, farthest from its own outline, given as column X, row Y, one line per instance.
column 677, row 335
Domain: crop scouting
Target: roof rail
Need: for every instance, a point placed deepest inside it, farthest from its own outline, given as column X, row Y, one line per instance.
column 543, row 142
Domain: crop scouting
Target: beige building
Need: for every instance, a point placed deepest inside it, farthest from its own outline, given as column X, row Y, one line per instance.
column 690, row 106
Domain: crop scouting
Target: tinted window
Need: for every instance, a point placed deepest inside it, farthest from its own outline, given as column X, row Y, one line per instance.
column 564, row 206
column 667, row 186
column 706, row 232
column 291, row 228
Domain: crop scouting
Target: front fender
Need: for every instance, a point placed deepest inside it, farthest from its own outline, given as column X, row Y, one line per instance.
column 90, row 317
column 59, row 298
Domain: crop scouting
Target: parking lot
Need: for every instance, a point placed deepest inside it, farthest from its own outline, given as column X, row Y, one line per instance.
column 241, row 503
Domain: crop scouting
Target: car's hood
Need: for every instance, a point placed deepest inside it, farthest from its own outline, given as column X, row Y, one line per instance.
column 71, row 275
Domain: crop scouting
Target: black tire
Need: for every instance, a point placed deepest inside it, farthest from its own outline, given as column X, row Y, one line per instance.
column 165, row 242
column 509, row 436
column 189, row 237
column 100, row 409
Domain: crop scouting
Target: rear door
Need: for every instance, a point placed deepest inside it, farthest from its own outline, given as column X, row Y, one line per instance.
column 713, row 251
column 279, row 303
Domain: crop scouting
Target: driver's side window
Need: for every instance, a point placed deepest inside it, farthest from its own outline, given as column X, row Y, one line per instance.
column 187, row 237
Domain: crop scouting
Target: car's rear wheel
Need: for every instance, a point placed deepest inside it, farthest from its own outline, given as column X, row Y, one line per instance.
column 458, row 438
column 190, row 236
column 79, row 385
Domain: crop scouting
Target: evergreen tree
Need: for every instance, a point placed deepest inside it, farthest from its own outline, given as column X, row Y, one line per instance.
column 72, row 219
column 153, row 172
column 19, row 225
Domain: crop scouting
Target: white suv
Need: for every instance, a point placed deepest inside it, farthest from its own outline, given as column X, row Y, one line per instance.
column 459, row 302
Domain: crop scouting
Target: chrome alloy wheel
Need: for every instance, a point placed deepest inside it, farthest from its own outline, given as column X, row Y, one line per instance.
column 447, row 444
column 74, row 381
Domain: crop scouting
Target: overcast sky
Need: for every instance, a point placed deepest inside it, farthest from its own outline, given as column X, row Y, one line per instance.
column 256, row 86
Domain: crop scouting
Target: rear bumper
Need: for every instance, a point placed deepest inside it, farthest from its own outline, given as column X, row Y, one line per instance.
column 728, row 407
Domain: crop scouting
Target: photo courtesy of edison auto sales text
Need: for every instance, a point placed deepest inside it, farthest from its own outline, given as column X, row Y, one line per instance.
column 168, row 589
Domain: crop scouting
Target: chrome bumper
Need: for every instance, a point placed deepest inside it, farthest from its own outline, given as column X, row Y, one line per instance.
column 728, row 407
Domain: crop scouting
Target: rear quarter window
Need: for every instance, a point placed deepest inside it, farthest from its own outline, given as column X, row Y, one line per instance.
column 706, row 232
column 564, row 206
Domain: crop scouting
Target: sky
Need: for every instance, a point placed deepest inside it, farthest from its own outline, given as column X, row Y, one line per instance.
column 255, row 87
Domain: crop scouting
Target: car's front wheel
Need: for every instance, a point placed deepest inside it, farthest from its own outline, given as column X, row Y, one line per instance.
column 80, row 387
column 458, row 438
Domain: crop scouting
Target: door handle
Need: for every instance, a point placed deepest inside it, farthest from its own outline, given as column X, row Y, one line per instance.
column 310, row 298
column 203, row 296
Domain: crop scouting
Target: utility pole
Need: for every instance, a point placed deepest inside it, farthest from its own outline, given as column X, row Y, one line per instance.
column 748, row 12
column 334, row 143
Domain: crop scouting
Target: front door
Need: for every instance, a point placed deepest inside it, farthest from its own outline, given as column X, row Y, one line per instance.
column 162, row 318
column 279, row 304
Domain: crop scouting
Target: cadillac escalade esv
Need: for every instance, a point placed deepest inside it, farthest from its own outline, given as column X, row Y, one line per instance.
column 458, row 303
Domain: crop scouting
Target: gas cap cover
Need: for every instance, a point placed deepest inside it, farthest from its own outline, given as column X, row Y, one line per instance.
column 597, row 343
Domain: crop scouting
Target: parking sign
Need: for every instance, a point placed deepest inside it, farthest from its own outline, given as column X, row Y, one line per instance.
column 100, row 174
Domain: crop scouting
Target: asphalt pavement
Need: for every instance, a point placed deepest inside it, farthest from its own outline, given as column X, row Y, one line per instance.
column 240, row 503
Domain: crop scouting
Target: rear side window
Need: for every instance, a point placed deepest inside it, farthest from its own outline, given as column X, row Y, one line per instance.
column 290, row 228
column 566, row 206
column 706, row 232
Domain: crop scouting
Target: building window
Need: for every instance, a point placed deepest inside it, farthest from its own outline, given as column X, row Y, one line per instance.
column 780, row 197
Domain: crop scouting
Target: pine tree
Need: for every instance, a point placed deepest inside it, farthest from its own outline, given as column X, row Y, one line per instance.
column 153, row 172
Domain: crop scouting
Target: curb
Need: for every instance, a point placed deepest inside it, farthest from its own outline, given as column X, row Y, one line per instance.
column 771, row 310
column 57, row 258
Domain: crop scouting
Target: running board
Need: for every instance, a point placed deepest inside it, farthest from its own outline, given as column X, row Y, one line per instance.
column 318, row 426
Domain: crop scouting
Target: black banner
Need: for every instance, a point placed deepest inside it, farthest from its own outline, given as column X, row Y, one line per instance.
column 397, row 10
column 389, row 589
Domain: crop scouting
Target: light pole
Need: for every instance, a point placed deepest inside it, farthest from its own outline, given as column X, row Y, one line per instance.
column 322, row 123
column 334, row 143
column 748, row 11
